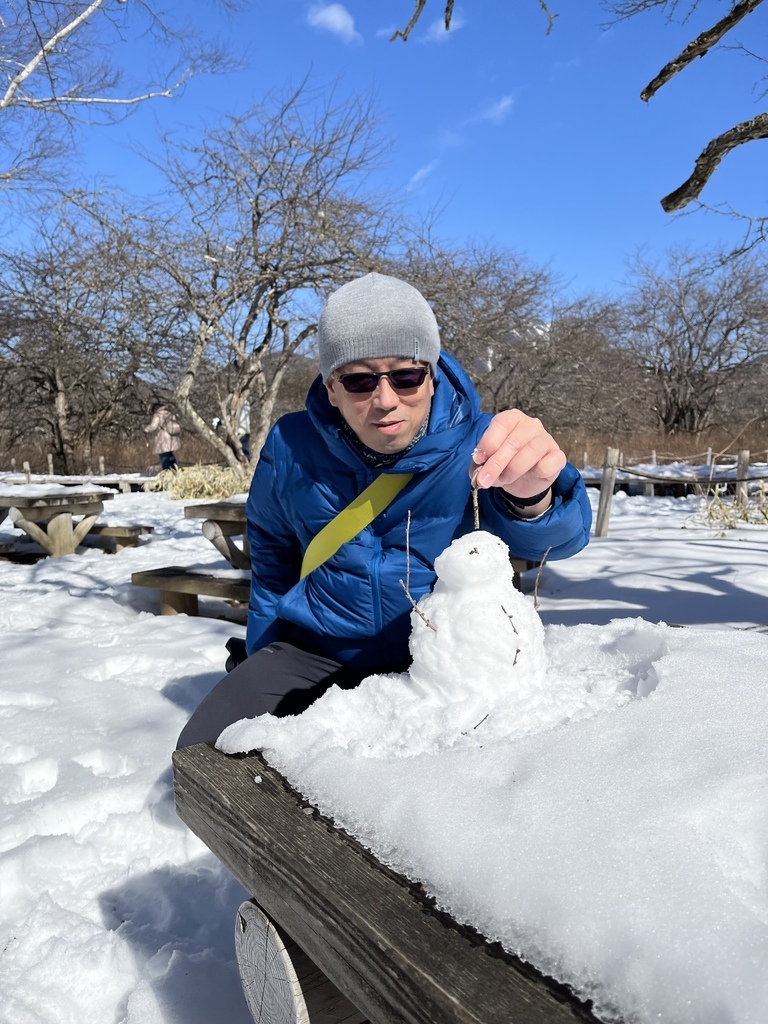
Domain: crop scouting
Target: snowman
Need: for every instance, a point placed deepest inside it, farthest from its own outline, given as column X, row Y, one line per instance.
column 476, row 637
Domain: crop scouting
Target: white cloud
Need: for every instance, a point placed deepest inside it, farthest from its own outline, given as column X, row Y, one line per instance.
column 417, row 179
column 334, row 18
column 449, row 138
column 436, row 32
column 496, row 111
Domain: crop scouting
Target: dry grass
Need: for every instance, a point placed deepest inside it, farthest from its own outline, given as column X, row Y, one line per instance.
column 726, row 512
column 214, row 482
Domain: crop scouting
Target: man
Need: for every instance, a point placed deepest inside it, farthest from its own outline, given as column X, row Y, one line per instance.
column 387, row 402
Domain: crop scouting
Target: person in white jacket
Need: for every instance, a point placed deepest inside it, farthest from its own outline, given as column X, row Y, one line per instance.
column 165, row 436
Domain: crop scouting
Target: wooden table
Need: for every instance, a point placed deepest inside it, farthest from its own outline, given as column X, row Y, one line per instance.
column 372, row 933
column 223, row 520
column 46, row 514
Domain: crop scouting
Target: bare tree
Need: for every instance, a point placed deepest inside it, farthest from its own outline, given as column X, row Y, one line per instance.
column 484, row 296
column 693, row 326
column 74, row 336
column 522, row 344
column 264, row 216
column 58, row 68
column 579, row 375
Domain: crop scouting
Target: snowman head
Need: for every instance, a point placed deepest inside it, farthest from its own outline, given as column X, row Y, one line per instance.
column 477, row 558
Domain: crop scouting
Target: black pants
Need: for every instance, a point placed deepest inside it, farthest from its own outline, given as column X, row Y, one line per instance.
column 278, row 680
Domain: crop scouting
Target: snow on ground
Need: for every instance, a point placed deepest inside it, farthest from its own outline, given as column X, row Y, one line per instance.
column 609, row 823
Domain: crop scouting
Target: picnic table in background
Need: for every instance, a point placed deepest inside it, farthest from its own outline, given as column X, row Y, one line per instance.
column 124, row 482
column 46, row 513
column 180, row 586
column 222, row 521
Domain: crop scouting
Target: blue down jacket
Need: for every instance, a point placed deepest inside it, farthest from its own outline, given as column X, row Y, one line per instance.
column 352, row 607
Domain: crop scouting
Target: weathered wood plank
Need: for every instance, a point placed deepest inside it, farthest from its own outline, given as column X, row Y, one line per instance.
column 119, row 537
column 179, row 587
column 123, row 532
column 370, row 931
column 189, row 581
column 607, row 485
column 224, row 511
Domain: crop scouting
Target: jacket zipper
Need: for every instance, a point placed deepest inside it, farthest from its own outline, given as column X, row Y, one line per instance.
column 376, row 585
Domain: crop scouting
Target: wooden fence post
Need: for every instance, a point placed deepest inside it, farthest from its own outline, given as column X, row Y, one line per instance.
column 607, row 484
column 27, row 470
column 50, row 464
column 742, row 472
column 101, row 465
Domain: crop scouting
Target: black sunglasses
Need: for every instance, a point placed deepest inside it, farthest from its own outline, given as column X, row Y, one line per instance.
column 401, row 380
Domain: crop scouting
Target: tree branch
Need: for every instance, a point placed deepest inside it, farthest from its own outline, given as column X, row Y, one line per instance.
column 548, row 15
column 45, row 50
column 403, row 33
column 710, row 157
column 700, row 46
column 53, row 102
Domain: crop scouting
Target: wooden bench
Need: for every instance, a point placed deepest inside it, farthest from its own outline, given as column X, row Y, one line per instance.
column 222, row 521
column 521, row 565
column 123, row 536
column 372, row 934
column 179, row 587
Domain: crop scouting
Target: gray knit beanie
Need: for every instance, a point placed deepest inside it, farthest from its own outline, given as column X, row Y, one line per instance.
column 375, row 316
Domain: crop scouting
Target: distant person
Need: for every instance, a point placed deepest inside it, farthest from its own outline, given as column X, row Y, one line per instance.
column 166, row 435
column 244, row 430
column 394, row 418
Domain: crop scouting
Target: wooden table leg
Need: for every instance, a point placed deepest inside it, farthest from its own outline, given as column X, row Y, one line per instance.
column 32, row 530
column 61, row 538
column 220, row 535
column 174, row 603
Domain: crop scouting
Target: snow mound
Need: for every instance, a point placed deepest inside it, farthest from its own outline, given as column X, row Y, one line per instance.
column 478, row 673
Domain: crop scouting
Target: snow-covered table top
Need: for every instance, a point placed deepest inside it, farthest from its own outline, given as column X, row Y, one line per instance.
column 42, row 495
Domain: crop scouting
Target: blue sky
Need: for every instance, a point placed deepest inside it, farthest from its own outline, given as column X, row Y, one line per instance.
column 530, row 140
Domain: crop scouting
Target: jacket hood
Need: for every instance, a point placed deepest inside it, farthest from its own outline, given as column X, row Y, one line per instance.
column 455, row 408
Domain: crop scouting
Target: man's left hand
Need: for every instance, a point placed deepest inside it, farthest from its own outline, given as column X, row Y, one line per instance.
column 517, row 454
